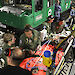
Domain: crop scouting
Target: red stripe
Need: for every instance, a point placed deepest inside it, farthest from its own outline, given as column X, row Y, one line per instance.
column 9, row 52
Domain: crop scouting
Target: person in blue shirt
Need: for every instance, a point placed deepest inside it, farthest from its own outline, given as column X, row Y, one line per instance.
column 57, row 11
column 72, row 13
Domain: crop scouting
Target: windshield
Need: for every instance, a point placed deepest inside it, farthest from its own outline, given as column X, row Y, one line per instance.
column 23, row 4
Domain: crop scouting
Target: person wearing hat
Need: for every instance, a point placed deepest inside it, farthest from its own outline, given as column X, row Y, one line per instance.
column 50, row 21
column 58, row 27
column 48, row 24
column 9, row 42
column 30, row 39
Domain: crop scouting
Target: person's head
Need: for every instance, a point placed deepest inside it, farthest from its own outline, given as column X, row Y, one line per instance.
column 14, row 56
column 28, row 31
column 9, row 38
column 61, row 22
column 58, row 2
column 50, row 19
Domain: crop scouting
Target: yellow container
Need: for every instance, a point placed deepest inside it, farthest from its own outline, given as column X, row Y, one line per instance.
column 47, row 60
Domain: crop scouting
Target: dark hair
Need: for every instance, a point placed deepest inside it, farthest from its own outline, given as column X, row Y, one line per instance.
column 50, row 17
column 28, row 28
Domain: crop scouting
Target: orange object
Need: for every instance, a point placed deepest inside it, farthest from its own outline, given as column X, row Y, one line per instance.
column 31, row 63
column 35, row 64
column 44, row 48
column 59, row 55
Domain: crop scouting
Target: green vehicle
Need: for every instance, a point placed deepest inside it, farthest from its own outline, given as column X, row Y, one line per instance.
column 18, row 13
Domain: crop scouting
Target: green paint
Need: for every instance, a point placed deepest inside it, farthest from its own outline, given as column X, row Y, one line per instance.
column 32, row 17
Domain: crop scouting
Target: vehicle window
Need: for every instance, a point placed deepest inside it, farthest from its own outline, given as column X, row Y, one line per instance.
column 38, row 5
column 50, row 3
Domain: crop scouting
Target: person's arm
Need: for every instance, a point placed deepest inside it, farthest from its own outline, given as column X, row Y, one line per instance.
column 71, row 12
column 21, row 43
column 39, row 38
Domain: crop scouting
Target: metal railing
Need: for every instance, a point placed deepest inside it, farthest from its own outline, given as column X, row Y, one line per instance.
column 63, row 59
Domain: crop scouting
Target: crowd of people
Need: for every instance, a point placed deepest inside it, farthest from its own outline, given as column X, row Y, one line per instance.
column 30, row 41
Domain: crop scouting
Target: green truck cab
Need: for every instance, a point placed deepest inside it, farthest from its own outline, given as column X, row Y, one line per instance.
column 18, row 13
